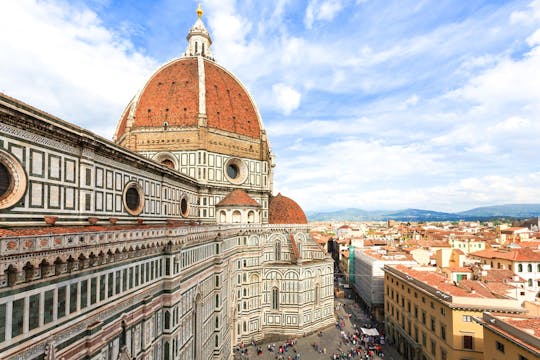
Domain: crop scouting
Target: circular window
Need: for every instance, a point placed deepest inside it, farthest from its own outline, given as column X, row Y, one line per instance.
column 236, row 171
column 12, row 180
column 184, row 209
column 233, row 171
column 5, row 180
column 133, row 198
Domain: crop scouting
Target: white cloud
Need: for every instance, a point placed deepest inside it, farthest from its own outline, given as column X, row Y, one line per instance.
column 534, row 39
column 286, row 98
column 409, row 102
column 62, row 59
column 527, row 17
column 451, row 197
column 321, row 10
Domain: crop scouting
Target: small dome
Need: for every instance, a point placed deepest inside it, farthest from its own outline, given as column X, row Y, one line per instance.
column 238, row 198
column 283, row 210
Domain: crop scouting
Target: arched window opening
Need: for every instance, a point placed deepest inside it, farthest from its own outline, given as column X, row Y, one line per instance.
column 520, row 267
column 317, row 294
column 236, row 217
column 277, row 251
column 168, row 163
column 275, row 298
column 222, row 216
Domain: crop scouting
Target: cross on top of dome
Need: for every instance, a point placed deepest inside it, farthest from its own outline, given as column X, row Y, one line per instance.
column 199, row 39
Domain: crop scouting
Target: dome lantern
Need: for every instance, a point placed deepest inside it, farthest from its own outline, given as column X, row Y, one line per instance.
column 198, row 38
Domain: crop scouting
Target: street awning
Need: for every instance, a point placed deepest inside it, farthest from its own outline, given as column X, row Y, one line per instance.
column 369, row 332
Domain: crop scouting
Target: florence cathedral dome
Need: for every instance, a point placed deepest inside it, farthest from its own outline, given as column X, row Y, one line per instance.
column 192, row 103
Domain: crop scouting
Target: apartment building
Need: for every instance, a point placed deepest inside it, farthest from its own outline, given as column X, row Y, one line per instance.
column 510, row 337
column 428, row 317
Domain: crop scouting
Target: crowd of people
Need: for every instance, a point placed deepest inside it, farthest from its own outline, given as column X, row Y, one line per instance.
column 355, row 341
column 283, row 351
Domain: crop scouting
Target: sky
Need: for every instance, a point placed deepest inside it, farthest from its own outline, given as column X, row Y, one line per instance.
column 371, row 104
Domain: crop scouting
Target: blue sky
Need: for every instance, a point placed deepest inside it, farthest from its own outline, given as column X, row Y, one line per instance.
column 368, row 104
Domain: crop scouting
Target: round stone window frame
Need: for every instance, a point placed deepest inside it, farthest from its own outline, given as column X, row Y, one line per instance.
column 242, row 168
column 183, row 199
column 133, row 185
column 18, row 180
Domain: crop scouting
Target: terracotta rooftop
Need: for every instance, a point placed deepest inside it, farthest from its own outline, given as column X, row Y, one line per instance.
column 501, row 275
column 238, row 197
column 531, row 325
column 534, row 244
column 460, row 269
column 441, row 283
column 283, row 210
column 521, row 329
column 57, row 230
column 524, row 254
column 485, row 290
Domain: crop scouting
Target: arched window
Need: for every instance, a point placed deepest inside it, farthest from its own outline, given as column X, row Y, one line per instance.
column 530, row 282
column 251, row 217
column 167, row 320
column 222, row 216
column 196, row 47
column 529, row 267
column 275, row 298
column 236, row 217
column 538, row 267
column 520, row 267
column 277, row 251
column 168, row 163
column 317, row 294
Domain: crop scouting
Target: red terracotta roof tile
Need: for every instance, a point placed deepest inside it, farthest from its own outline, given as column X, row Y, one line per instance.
column 238, row 197
column 524, row 254
column 283, row 210
column 172, row 95
column 440, row 282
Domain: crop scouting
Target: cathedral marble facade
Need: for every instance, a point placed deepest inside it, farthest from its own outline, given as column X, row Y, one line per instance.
column 164, row 244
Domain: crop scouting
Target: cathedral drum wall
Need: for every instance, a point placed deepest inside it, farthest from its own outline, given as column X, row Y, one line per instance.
column 81, row 180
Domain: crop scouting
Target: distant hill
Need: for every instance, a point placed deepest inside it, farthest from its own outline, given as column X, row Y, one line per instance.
column 512, row 210
column 515, row 211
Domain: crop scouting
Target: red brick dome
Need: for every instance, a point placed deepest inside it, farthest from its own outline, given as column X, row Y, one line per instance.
column 172, row 98
column 283, row 210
